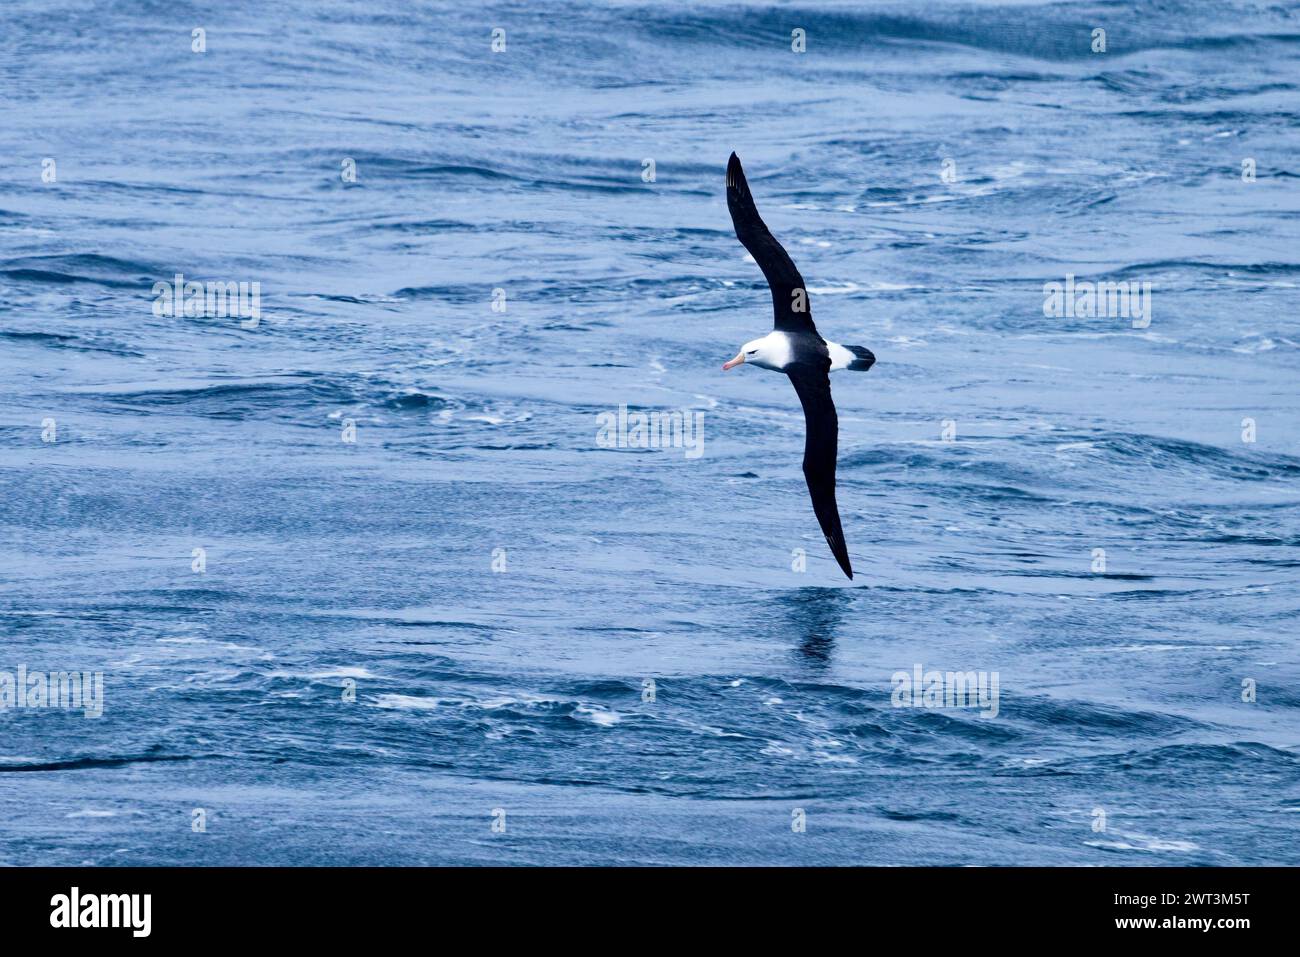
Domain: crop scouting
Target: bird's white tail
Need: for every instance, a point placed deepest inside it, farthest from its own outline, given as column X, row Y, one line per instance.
column 863, row 359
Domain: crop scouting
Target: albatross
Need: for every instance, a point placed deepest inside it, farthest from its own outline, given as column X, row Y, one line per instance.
column 795, row 348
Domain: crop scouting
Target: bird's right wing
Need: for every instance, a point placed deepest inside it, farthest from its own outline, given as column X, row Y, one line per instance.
column 789, row 297
column 821, row 444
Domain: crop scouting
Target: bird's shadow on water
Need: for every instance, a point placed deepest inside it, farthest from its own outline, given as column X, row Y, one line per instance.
column 811, row 618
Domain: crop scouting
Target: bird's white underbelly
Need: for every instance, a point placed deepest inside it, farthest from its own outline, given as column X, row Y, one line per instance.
column 840, row 357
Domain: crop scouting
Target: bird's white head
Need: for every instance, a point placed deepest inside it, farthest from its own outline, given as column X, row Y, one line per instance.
column 770, row 352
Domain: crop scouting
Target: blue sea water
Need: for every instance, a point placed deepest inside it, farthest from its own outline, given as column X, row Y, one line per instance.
column 498, row 591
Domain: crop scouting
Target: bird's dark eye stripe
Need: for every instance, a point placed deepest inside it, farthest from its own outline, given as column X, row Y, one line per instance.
column 751, row 352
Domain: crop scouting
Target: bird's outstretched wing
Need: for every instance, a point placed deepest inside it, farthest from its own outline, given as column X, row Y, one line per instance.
column 813, row 383
column 789, row 297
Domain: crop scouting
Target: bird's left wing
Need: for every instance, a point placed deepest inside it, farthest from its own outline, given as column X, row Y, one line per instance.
column 813, row 383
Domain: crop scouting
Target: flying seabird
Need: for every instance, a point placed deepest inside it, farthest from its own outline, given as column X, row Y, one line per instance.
column 794, row 347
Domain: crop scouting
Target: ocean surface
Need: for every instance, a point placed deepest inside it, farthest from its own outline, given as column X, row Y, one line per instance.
column 434, row 619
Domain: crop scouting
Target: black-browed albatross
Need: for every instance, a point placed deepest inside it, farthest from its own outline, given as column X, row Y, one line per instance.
column 794, row 347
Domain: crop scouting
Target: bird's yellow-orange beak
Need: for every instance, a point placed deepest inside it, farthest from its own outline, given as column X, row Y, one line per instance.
column 740, row 357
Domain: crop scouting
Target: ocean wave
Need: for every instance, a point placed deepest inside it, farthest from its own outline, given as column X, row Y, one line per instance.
column 73, row 269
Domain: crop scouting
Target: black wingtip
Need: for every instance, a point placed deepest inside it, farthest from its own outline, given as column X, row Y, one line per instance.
column 841, row 553
column 735, row 175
